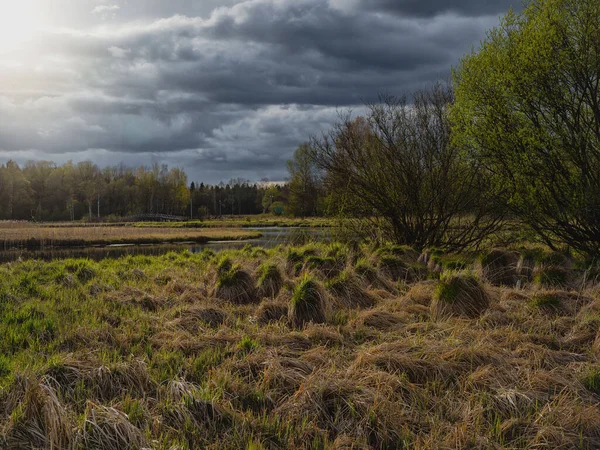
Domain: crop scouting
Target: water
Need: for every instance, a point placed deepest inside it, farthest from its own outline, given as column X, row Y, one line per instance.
column 271, row 237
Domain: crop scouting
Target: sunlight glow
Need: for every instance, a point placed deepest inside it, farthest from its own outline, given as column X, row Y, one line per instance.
column 19, row 22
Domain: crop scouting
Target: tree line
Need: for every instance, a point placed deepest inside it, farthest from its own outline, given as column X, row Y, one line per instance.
column 45, row 191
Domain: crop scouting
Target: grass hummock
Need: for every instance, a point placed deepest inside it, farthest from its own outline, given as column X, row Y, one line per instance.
column 551, row 276
column 348, row 292
column 459, row 294
column 499, row 267
column 307, row 303
column 269, row 280
column 235, row 285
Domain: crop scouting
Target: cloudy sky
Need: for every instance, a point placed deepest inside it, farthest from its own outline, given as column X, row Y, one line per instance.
column 223, row 88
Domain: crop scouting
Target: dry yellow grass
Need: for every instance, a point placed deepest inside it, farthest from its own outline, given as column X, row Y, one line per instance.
column 33, row 236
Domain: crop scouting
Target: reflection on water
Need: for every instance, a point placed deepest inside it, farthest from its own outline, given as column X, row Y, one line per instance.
column 271, row 237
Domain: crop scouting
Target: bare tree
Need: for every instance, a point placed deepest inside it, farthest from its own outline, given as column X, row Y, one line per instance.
column 396, row 168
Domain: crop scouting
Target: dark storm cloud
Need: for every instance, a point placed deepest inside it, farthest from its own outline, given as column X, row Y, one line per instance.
column 420, row 8
column 223, row 92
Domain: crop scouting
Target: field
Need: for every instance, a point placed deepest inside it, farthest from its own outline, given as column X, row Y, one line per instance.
column 33, row 236
column 320, row 346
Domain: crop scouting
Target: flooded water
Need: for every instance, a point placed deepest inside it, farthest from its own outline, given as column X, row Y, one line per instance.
column 271, row 237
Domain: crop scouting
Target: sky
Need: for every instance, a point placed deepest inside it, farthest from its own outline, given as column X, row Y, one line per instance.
column 223, row 88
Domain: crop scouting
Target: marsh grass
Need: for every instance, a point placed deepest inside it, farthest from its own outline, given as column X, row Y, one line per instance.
column 269, row 280
column 459, row 294
column 235, row 285
column 308, row 303
column 175, row 351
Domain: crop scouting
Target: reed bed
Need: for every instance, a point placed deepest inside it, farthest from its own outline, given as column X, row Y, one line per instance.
column 40, row 236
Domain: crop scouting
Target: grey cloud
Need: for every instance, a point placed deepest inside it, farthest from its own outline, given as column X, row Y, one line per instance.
column 420, row 8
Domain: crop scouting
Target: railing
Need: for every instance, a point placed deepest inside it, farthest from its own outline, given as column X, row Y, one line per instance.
column 154, row 218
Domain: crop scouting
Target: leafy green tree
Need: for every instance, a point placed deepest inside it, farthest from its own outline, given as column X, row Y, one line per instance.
column 304, row 182
column 269, row 197
column 277, row 209
column 90, row 185
column 15, row 192
column 528, row 106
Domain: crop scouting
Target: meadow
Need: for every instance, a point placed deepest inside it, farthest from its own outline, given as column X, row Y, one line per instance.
column 321, row 346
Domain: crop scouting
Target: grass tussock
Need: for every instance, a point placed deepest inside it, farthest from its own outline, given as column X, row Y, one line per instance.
column 108, row 428
column 459, row 295
column 193, row 318
column 269, row 280
column 499, row 267
column 307, row 304
column 382, row 320
column 269, row 312
column 348, row 292
column 235, row 285
column 551, row 277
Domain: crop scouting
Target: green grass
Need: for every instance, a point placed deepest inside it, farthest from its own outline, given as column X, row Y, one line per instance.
column 545, row 301
column 591, row 381
column 551, row 277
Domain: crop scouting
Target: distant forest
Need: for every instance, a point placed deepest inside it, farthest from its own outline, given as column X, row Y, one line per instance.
column 44, row 191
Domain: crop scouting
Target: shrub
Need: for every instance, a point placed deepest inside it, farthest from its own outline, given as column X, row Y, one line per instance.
column 307, row 303
column 459, row 295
